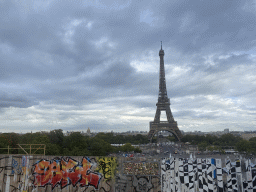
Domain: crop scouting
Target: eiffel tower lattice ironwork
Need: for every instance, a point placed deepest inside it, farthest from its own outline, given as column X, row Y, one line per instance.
column 163, row 104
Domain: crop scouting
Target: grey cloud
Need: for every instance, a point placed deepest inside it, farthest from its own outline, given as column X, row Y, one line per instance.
column 44, row 58
column 15, row 100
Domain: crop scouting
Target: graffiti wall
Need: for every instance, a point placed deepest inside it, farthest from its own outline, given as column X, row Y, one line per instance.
column 64, row 172
column 31, row 173
column 104, row 174
column 141, row 168
column 133, row 183
column 179, row 174
column 138, row 175
column 125, row 174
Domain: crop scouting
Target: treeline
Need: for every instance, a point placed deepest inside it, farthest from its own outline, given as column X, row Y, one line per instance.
column 74, row 144
column 77, row 144
column 212, row 142
column 121, row 139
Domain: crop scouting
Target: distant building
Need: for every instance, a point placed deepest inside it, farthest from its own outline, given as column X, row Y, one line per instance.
column 248, row 135
column 68, row 133
column 236, row 133
column 216, row 133
column 131, row 133
column 226, row 131
column 88, row 132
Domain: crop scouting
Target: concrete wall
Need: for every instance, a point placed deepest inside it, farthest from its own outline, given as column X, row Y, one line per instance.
column 122, row 174
column 49, row 173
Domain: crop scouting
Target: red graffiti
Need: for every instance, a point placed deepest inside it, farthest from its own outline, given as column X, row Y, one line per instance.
column 65, row 172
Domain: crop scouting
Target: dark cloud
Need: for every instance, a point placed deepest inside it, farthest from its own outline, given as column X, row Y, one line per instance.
column 60, row 59
column 15, row 100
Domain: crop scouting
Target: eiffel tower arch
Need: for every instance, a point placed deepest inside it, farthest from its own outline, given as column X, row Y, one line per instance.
column 163, row 104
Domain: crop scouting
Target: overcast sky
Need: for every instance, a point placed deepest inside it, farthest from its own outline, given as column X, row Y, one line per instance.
column 76, row 64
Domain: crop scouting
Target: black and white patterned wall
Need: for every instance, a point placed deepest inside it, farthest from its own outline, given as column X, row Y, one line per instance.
column 207, row 175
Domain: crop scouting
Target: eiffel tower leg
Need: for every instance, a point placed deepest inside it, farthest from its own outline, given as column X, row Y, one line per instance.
column 157, row 116
column 169, row 114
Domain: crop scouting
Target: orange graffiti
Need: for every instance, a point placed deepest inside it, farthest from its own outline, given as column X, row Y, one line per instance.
column 65, row 172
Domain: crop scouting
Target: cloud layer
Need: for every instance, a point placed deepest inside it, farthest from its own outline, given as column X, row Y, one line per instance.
column 79, row 64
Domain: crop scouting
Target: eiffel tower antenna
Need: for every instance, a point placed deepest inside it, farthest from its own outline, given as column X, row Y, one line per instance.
column 163, row 104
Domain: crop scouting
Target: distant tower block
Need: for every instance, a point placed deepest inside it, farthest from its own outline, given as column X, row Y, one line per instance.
column 88, row 132
column 163, row 104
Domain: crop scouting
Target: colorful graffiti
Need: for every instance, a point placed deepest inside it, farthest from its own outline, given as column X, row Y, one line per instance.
column 64, row 172
column 16, row 168
column 32, row 173
column 209, row 174
column 121, row 183
column 137, row 183
column 107, row 167
column 142, row 184
column 131, row 168
column 13, row 174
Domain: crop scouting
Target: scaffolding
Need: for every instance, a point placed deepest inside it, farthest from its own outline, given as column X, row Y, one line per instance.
column 29, row 149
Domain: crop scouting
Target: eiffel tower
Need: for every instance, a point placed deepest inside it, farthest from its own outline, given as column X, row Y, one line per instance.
column 163, row 104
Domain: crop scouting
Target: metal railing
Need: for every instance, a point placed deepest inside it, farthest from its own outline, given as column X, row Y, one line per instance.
column 31, row 150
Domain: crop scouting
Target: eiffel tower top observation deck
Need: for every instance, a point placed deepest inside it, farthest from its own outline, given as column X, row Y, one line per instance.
column 163, row 104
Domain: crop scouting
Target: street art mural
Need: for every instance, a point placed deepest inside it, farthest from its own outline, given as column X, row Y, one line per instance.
column 12, row 175
column 178, row 174
column 65, row 172
column 31, row 173
column 142, row 184
column 132, row 183
column 107, row 167
column 16, row 167
column 111, row 174
column 141, row 168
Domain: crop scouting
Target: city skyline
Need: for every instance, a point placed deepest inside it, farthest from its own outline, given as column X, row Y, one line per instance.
column 76, row 64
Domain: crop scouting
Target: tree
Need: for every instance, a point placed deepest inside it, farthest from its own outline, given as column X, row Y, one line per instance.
column 252, row 142
column 56, row 137
column 171, row 138
column 98, row 147
column 210, row 139
column 137, row 150
column 52, row 149
column 202, row 146
column 127, row 147
column 108, row 137
column 26, row 138
column 210, row 148
column 244, row 146
column 229, row 139
column 75, row 142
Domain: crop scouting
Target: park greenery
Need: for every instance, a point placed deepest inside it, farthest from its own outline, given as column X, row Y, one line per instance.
column 77, row 144
column 219, row 144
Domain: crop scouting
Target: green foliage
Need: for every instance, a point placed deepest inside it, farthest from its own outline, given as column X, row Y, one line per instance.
column 229, row 139
column 127, row 147
column 212, row 143
column 137, row 150
column 99, row 147
column 52, row 149
column 244, row 146
column 194, row 139
column 224, row 140
column 252, row 142
column 26, row 138
column 202, row 146
column 56, row 137
column 121, row 139
column 74, row 144
column 210, row 148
